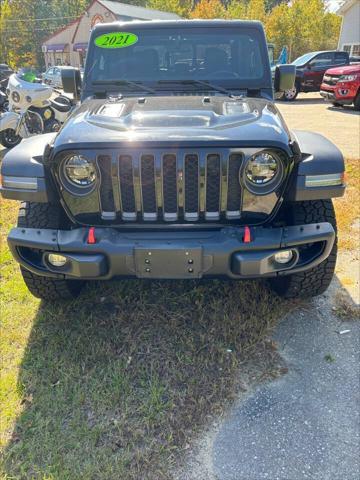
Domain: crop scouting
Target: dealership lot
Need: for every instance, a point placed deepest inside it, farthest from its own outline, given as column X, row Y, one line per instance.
column 340, row 125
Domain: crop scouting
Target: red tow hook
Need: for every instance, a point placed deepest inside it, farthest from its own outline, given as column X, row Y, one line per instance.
column 247, row 235
column 91, row 235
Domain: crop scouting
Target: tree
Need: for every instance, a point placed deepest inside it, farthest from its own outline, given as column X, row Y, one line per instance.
column 237, row 9
column 180, row 7
column 247, row 10
column 26, row 24
column 209, row 9
column 303, row 26
column 256, row 10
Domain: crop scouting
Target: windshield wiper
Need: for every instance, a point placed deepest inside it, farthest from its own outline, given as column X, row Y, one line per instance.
column 128, row 83
column 205, row 83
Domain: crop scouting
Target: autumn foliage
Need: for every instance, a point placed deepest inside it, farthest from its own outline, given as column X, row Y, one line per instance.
column 301, row 25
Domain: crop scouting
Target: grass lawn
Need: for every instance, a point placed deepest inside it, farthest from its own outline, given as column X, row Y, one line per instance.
column 114, row 384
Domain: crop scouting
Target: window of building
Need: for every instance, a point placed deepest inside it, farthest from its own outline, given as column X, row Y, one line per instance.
column 356, row 50
column 347, row 48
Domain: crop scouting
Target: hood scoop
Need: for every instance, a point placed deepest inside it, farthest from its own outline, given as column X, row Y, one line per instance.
column 133, row 114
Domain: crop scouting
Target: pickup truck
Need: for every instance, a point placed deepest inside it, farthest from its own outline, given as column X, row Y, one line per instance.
column 341, row 86
column 310, row 69
column 175, row 165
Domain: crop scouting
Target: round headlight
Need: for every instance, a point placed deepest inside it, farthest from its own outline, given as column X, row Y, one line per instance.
column 263, row 173
column 262, row 168
column 79, row 171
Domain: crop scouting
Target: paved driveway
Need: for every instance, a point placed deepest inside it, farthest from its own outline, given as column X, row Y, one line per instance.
column 341, row 125
column 306, row 424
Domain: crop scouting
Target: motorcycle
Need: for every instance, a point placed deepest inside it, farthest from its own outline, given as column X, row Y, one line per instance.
column 31, row 110
column 4, row 101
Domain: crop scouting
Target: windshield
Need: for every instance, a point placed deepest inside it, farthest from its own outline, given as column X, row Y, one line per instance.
column 303, row 59
column 164, row 55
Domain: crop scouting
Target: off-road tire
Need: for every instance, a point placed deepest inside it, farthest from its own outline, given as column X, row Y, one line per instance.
column 315, row 281
column 357, row 101
column 46, row 215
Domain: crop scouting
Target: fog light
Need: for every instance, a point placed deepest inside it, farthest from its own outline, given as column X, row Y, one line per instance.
column 285, row 256
column 57, row 260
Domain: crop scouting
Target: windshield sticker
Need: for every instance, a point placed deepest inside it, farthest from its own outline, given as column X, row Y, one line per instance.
column 116, row 40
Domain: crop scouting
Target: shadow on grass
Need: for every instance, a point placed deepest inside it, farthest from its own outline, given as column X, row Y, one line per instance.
column 115, row 383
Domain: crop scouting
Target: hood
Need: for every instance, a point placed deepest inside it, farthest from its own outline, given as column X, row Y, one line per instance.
column 174, row 119
column 347, row 70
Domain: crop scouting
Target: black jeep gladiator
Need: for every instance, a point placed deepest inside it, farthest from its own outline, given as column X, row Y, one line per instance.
column 175, row 165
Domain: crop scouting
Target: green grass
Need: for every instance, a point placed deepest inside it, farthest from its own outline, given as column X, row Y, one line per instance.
column 115, row 384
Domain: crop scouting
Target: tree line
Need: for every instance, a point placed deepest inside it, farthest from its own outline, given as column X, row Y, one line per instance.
column 300, row 25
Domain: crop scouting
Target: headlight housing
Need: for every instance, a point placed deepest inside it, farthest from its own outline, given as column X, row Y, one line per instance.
column 78, row 174
column 263, row 172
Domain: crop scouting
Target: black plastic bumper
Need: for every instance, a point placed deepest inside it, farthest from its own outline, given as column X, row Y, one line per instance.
column 171, row 254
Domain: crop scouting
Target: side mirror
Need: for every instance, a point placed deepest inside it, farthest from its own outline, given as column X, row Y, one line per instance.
column 71, row 81
column 284, row 77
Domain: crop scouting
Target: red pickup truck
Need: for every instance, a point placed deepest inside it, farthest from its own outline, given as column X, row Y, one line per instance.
column 341, row 86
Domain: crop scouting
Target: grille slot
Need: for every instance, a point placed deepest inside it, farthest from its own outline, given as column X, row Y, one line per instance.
column 148, row 187
column 169, row 187
column 234, row 188
column 173, row 186
column 213, row 182
column 106, row 190
column 191, row 204
column 127, row 187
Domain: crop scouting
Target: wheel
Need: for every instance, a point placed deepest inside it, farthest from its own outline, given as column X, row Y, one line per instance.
column 291, row 94
column 9, row 139
column 357, row 101
column 52, row 125
column 316, row 280
column 46, row 215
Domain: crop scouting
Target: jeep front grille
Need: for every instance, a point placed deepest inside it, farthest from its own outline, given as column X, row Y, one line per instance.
column 171, row 186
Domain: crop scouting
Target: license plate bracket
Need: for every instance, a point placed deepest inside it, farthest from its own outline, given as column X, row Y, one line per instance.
column 168, row 262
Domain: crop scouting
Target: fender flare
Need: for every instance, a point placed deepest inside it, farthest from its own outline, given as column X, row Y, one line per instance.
column 320, row 159
column 24, row 176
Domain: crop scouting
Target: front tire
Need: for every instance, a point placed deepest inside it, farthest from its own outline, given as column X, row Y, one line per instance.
column 357, row 102
column 9, row 139
column 315, row 281
column 46, row 215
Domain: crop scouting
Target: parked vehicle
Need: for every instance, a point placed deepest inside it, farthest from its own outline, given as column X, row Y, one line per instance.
column 310, row 69
column 5, row 71
column 177, row 164
column 31, row 110
column 4, row 100
column 52, row 76
column 341, row 86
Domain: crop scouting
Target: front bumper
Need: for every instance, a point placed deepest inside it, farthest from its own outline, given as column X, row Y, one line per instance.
column 331, row 96
column 172, row 255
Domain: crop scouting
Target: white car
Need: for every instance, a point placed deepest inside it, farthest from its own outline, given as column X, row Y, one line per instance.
column 52, row 76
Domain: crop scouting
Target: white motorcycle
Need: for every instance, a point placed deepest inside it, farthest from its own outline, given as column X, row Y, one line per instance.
column 31, row 110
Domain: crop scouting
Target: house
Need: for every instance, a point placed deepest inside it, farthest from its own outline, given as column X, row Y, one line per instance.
column 68, row 46
column 349, row 39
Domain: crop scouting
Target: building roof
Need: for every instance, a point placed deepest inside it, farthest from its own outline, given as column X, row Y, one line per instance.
column 346, row 6
column 125, row 10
